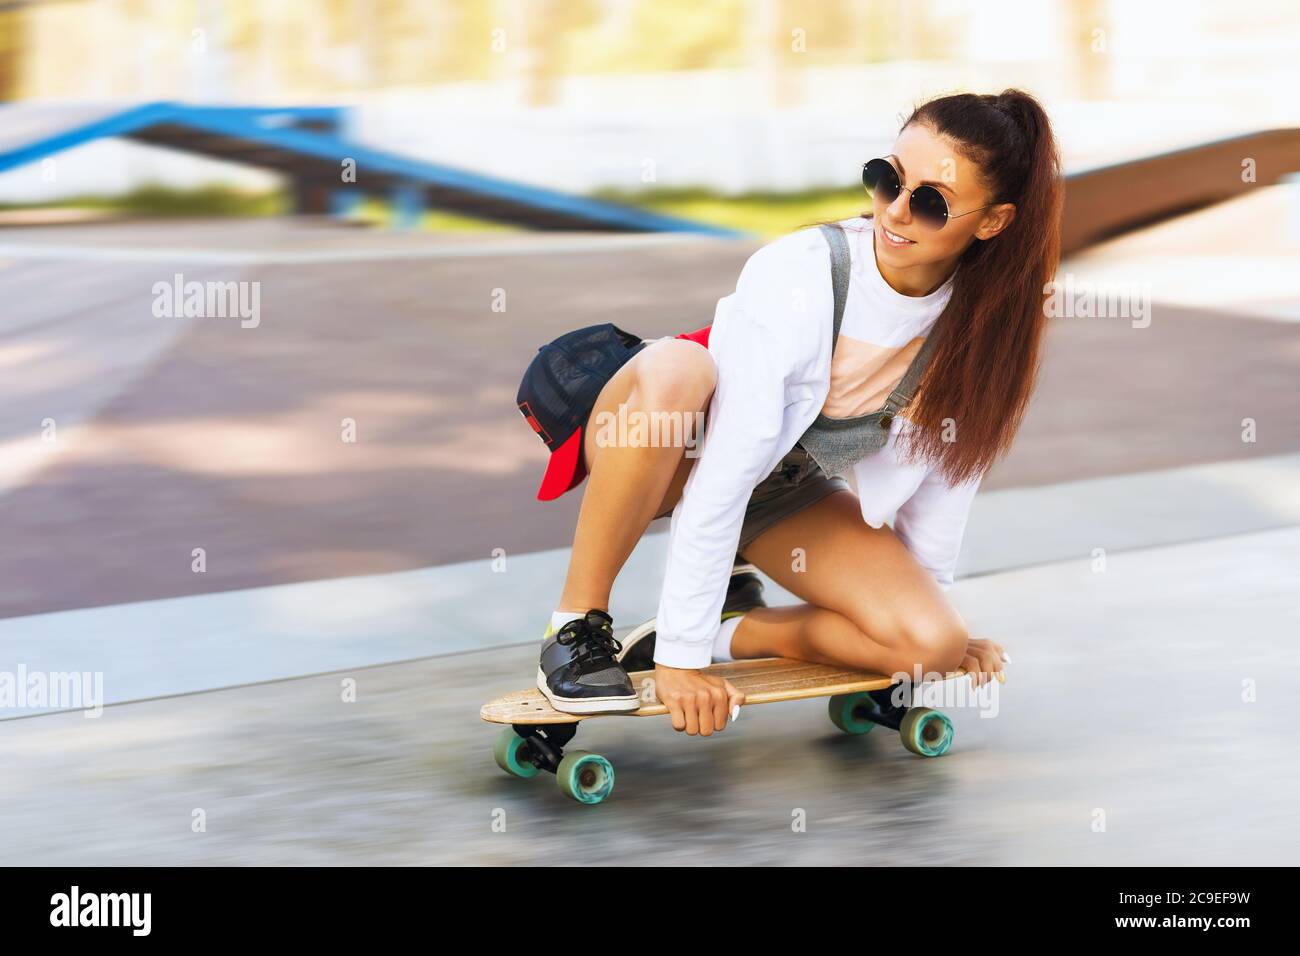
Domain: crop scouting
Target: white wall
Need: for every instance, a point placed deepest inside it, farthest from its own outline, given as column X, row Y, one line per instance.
column 110, row 167
column 713, row 128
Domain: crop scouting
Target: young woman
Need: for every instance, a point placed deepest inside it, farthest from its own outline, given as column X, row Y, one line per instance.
column 931, row 301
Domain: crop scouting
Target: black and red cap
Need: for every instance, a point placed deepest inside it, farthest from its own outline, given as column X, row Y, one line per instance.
column 559, row 389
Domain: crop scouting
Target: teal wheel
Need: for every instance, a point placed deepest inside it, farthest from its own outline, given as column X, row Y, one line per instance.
column 511, row 754
column 926, row 732
column 584, row 776
column 849, row 712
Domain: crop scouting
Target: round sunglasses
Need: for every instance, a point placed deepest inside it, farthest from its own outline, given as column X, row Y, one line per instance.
column 928, row 206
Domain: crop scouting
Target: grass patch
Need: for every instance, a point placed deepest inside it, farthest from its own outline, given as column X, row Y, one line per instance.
column 218, row 201
column 764, row 214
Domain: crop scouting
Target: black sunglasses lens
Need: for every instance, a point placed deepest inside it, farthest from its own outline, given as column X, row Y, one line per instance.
column 929, row 206
column 881, row 180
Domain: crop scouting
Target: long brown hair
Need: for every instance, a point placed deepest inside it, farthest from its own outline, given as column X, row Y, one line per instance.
column 985, row 363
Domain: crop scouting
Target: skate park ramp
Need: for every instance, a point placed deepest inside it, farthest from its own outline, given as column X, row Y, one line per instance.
column 308, row 146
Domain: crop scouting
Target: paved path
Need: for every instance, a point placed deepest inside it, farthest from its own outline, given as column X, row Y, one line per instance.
column 1124, row 709
column 179, row 434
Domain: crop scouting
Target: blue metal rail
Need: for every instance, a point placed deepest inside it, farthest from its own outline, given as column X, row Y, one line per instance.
column 307, row 145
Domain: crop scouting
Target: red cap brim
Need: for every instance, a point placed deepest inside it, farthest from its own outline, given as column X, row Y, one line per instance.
column 564, row 470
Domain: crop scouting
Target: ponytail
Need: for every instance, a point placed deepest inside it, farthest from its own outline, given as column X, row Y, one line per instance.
column 985, row 363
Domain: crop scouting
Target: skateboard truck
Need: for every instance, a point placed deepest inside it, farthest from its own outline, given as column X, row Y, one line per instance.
column 545, row 747
column 925, row 732
column 525, row 750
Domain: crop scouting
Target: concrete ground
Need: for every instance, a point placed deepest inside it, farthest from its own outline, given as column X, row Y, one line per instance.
column 1145, row 717
column 1125, row 734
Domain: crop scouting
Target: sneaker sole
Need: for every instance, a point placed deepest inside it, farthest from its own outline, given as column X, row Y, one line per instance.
column 587, row 705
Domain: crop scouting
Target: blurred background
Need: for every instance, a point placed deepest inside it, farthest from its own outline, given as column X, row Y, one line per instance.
column 228, row 520
column 713, row 109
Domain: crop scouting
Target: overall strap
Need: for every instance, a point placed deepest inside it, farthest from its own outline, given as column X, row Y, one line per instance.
column 906, row 388
column 840, row 262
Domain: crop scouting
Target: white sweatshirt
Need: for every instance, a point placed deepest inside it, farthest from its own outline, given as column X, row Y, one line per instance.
column 771, row 342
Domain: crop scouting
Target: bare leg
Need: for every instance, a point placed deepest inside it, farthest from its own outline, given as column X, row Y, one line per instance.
column 803, row 632
column 627, row 487
column 870, row 604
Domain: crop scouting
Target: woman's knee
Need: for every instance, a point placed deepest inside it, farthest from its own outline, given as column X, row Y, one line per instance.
column 675, row 374
column 670, row 376
column 935, row 646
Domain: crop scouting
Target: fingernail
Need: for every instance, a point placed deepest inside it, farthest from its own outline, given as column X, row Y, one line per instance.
column 1002, row 678
column 1006, row 657
column 735, row 712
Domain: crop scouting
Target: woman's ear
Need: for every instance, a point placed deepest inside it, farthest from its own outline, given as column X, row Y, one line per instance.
column 996, row 218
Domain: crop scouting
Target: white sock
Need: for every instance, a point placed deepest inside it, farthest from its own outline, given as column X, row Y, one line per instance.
column 561, row 618
column 722, row 643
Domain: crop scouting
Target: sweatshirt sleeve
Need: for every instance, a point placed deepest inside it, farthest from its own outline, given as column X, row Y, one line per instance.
column 932, row 522
column 759, row 346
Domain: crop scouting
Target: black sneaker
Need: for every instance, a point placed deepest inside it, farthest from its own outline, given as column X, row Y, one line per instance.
column 578, row 672
column 744, row 593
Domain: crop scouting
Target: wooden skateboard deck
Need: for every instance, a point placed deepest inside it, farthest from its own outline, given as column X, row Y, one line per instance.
column 762, row 681
column 858, row 702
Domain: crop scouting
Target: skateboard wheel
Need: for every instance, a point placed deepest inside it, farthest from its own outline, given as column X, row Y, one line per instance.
column 511, row 754
column 849, row 712
column 584, row 776
column 926, row 732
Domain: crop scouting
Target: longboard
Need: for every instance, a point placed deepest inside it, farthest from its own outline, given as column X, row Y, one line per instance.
column 858, row 702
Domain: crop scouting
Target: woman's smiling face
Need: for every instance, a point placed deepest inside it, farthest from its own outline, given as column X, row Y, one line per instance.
column 922, row 156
